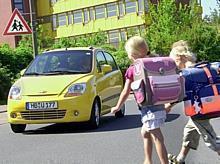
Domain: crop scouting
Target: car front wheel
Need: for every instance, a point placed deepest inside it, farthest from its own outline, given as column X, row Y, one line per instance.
column 95, row 115
column 18, row 128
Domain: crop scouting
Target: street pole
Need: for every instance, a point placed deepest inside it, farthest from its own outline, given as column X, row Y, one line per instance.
column 33, row 25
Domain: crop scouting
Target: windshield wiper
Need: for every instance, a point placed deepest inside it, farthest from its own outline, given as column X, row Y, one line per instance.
column 33, row 73
column 61, row 72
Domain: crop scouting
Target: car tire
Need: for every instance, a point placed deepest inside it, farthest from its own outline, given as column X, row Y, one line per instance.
column 95, row 115
column 121, row 112
column 18, row 128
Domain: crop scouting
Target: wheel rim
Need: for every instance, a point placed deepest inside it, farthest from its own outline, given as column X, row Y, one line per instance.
column 97, row 116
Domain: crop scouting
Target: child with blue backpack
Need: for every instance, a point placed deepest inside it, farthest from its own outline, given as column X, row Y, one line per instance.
column 152, row 117
column 194, row 127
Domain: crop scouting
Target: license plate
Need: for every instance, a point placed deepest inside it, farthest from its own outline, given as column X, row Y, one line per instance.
column 41, row 105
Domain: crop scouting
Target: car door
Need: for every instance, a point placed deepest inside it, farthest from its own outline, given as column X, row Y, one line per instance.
column 102, row 82
column 115, row 80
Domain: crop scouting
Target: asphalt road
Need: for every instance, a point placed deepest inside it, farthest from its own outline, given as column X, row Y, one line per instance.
column 117, row 141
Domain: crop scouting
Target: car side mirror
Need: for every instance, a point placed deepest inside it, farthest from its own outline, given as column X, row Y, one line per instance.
column 22, row 72
column 106, row 68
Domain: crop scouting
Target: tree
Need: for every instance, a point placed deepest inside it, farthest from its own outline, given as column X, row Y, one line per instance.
column 168, row 23
column 172, row 22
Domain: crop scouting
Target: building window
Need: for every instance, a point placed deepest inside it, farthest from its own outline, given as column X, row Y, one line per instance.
column 70, row 18
column 100, row 12
column 77, row 16
column 146, row 6
column 132, row 31
column 140, row 6
column 52, row 2
column 123, row 35
column 54, row 22
column 91, row 14
column 142, row 29
column 46, row 19
column 111, row 9
column 85, row 15
column 130, row 6
column 121, row 9
column 19, row 5
column 114, row 37
column 62, row 19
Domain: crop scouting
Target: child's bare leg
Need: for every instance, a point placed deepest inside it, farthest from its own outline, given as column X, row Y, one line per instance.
column 183, row 153
column 147, row 146
column 160, row 146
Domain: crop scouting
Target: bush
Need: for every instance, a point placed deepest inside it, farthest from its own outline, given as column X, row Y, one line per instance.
column 170, row 24
column 205, row 42
column 5, row 82
column 12, row 61
column 7, row 58
column 121, row 58
column 23, row 55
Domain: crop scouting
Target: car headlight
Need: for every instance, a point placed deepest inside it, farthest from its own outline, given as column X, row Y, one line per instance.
column 15, row 93
column 76, row 89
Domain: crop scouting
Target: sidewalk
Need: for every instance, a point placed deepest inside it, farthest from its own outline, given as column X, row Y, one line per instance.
column 3, row 108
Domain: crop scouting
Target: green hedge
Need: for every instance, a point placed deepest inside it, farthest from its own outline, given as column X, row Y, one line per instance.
column 12, row 61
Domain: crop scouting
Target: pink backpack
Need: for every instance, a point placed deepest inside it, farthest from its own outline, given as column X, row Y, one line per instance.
column 156, row 81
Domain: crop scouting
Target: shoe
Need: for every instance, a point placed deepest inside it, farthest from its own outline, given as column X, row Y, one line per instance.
column 173, row 159
column 218, row 139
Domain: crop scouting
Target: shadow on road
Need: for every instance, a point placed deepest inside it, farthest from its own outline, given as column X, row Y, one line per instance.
column 172, row 117
column 108, row 123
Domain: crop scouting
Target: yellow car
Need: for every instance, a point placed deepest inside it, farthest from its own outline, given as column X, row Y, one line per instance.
column 65, row 85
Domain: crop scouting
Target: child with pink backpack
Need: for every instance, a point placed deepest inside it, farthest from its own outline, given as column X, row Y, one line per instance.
column 152, row 116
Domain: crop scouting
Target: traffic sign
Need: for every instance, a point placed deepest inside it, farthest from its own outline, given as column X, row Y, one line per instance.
column 17, row 25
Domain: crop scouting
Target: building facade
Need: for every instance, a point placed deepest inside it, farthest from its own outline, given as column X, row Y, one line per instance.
column 6, row 9
column 117, row 18
column 77, row 18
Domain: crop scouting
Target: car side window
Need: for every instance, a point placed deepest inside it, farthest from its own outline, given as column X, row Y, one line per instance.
column 100, row 59
column 111, row 61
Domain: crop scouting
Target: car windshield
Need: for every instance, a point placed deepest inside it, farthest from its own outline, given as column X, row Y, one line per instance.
column 61, row 62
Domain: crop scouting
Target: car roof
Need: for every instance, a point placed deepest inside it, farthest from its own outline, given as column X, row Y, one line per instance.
column 73, row 48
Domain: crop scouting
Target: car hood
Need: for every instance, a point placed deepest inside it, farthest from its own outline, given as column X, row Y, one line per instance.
column 46, row 85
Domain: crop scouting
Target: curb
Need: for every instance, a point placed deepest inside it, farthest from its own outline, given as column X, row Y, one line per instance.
column 3, row 108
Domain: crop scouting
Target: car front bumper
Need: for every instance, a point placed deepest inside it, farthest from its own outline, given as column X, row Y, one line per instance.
column 70, row 109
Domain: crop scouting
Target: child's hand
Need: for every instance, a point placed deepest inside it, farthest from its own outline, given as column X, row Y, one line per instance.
column 168, row 108
column 114, row 110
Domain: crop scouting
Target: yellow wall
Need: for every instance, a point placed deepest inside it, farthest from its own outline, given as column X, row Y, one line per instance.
column 44, row 8
column 100, row 24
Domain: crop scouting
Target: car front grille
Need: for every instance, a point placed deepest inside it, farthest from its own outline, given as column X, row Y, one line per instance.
column 43, row 115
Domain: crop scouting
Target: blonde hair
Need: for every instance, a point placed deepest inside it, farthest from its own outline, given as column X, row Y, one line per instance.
column 135, row 46
column 180, row 43
column 181, row 48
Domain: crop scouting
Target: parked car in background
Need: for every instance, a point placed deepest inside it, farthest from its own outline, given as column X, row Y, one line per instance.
column 65, row 85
